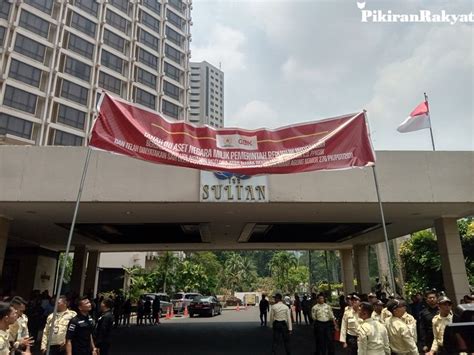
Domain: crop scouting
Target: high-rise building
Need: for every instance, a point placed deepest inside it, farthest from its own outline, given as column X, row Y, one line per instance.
column 56, row 57
column 206, row 99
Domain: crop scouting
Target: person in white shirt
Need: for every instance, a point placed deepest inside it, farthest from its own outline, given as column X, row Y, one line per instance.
column 372, row 336
column 280, row 320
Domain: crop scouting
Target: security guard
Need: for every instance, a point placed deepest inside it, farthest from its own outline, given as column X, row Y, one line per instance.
column 8, row 316
column 79, row 331
column 440, row 322
column 324, row 321
column 399, row 335
column 426, row 320
column 373, row 338
column 18, row 331
column 280, row 320
column 58, row 337
column 377, row 313
column 349, row 325
column 104, row 326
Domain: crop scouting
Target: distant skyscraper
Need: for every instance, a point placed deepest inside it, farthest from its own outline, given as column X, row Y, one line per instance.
column 57, row 56
column 206, row 99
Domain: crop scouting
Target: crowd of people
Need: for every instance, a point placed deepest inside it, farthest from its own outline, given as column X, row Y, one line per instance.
column 369, row 324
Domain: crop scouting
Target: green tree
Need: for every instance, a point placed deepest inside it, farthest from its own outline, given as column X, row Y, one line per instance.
column 191, row 277
column 233, row 272
column 279, row 266
column 68, row 270
column 297, row 276
column 213, row 268
column 140, row 281
column 166, row 270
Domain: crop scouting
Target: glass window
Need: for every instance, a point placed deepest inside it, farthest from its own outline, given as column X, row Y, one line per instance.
column 177, row 4
column 174, row 36
column 82, row 24
column 170, row 109
column 74, row 92
column 34, row 23
column 173, row 72
column 150, row 22
column 111, row 61
column 153, row 5
column 145, row 98
column 30, row 48
column 173, row 54
column 15, row 126
column 121, row 5
column 110, row 83
column 81, row 46
column 77, row 68
column 4, row 9
column 171, row 90
column 175, row 19
column 2, row 34
column 149, row 40
column 114, row 41
column 71, row 117
column 146, row 78
column 147, row 58
column 90, row 6
column 25, row 73
column 63, row 138
column 20, row 99
column 42, row 5
column 117, row 21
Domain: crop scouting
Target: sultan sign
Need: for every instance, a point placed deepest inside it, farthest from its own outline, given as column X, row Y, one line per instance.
column 229, row 187
column 337, row 143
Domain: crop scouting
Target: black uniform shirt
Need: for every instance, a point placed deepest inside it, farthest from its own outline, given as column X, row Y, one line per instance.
column 426, row 325
column 104, row 326
column 79, row 331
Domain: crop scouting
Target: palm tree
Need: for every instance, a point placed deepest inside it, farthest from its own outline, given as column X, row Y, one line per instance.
column 166, row 265
column 234, row 271
column 249, row 276
column 279, row 265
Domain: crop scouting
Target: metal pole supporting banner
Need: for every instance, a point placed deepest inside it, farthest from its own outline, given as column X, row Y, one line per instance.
column 60, row 280
column 429, row 120
column 387, row 246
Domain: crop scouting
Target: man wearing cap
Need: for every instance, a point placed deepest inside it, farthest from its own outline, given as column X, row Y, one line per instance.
column 440, row 321
column 373, row 338
column 399, row 335
column 372, row 298
column 280, row 320
column 426, row 320
column 377, row 313
column 349, row 325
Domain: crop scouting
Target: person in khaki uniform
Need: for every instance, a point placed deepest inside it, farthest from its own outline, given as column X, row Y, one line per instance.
column 324, row 323
column 8, row 316
column 377, row 313
column 409, row 320
column 440, row 322
column 373, row 338
column 349, row 325
column 399, row 335
column 18, row 331
column 58, row 336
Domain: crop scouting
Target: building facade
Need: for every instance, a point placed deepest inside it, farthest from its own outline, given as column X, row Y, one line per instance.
column 57, row 57
column 206, row 99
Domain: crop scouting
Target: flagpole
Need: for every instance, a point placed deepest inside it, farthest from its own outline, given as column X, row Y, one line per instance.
column 60, row 280
column 387, row 245
column 429, row 120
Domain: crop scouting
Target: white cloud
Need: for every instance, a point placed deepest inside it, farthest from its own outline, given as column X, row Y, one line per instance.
column 223, row 45
column 254, row 114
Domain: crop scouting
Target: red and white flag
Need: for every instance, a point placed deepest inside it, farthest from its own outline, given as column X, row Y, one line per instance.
column 419, row 119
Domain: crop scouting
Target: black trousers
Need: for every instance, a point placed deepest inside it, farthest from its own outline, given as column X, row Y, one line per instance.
column 323, row 332
column 351, row 344
column 104, row 348
column 263, row 318
column 56, row 350
column 307, row 318
column 280, row 330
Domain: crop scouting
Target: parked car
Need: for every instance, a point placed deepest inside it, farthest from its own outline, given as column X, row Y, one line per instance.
column 181, row 299
column 165, row 301
column 205, row 305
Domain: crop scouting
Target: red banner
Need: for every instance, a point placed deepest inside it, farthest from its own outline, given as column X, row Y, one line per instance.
column 335, row 143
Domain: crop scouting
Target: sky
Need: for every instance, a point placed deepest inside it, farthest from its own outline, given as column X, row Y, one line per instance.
column 294, row 61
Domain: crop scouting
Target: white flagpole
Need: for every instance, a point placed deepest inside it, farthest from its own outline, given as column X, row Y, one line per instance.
column 387, row 245
column 429, row 120
column 60, row 280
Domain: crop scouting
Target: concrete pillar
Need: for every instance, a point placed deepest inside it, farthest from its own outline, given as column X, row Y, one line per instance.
column 452, row 259
column 382, row 262
column 4, row 227
column 79, row 269
column 361, row 256
column 347, row 270
column 90, row 284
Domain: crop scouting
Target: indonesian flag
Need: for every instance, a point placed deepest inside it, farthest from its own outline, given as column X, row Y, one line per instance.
column 419, row 119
